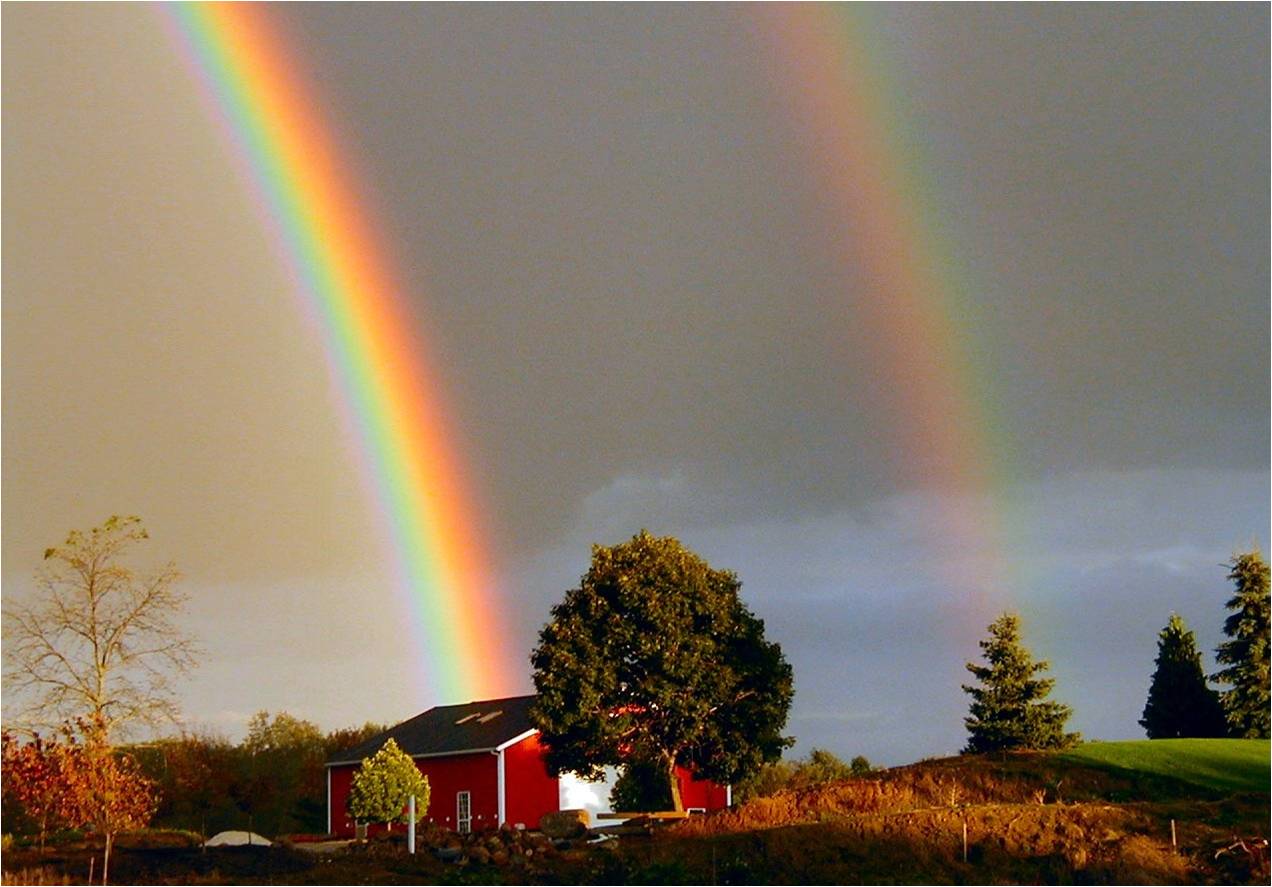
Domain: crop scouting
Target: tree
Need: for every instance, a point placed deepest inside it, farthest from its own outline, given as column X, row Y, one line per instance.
column 641, row 787
column 1246, row 654
column 824, row 766
column 655, row 659
column 384, row 783
column 198, row 771
column 287, row 755
column 101, row 644
column 821, row 767
column 1008, row 710
column 35, row 777
column 1180, row 704
column 105, row 790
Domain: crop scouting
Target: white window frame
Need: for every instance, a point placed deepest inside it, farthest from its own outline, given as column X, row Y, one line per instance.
column 464, row 812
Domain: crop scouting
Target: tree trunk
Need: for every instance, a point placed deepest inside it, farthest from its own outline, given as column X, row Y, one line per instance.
column 110, row 838
column 673, row 783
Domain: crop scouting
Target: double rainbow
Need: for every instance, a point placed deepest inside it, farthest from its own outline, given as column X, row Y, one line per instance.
column 324, row 232
column 885, row 231
column 877, row 225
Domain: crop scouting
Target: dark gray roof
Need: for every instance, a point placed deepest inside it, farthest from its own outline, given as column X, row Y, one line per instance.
column 448, row 729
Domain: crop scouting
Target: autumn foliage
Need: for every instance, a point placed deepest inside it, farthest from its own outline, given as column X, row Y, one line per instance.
column 78, row 784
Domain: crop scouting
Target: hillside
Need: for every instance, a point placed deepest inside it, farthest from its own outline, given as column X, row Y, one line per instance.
column 1220, row 765
column 1101, row 813
column 1098, row 814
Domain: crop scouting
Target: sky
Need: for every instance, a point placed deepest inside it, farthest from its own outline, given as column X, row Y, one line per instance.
column 651, row 303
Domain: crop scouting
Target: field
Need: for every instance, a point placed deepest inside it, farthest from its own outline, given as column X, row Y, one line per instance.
column 1190, row 811
column 1221, row 765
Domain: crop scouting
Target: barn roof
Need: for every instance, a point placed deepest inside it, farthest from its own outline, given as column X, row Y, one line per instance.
column 451, row 729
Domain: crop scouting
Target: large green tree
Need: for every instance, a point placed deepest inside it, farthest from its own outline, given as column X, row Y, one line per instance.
column 1180, row 704
column 1009, row 709
column 1246, row 652
column 384, row 783
column 654, row 659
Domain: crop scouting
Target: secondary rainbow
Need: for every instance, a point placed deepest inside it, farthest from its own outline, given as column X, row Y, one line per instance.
column 884, row 230
column 323, row 230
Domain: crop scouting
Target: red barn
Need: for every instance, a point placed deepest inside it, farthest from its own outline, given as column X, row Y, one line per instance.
column 484, row 766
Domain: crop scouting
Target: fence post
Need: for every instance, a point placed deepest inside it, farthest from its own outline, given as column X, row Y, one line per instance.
column 410, row 827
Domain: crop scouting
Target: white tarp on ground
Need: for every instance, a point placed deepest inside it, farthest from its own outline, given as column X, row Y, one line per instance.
column 236, row 839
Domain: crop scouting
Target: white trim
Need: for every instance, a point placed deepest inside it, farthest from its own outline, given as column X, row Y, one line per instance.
column 728, row 795
column 503, row 784
column 514, row 740
column 328, row 800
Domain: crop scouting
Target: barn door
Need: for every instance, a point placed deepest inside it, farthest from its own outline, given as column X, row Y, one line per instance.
column 463, row 813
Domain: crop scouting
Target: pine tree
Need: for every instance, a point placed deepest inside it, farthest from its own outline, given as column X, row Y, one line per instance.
column 384, row 783
column 1246, row 654
column 1008, row 710
column 1180, row 704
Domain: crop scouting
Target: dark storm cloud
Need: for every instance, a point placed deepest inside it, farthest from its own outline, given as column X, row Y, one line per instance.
column 607, row 216
column 605, row 219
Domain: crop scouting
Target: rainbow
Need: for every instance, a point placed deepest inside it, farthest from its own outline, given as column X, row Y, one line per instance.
column 885, row 232
column 322, row 228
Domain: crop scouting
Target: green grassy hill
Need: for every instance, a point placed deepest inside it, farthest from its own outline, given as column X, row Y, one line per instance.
column 1221, row 765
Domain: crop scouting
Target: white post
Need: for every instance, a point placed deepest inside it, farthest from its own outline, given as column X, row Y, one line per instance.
column 410, row 827
column 501, row 788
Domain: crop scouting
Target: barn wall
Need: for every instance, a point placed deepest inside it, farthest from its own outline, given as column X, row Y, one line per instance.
column 447, row 776
column 477, row 774
column 529, row 790
column 701, row 792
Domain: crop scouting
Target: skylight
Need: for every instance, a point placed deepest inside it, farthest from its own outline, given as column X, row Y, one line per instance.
column 486, row 719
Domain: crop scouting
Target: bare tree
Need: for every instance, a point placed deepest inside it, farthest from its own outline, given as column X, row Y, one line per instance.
column 100, row 642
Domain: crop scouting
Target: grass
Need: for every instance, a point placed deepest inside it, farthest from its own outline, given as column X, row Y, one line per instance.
column 1220, row 765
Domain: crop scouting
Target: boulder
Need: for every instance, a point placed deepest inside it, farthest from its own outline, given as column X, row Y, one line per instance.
column 565, row 823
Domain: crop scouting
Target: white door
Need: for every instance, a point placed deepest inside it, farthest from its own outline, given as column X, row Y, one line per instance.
column 463, row 813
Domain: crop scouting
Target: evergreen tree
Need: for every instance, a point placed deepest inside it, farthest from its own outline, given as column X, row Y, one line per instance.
column 1246, row 654
column 1008, row 710
column 384, row 783
column 1180, row 704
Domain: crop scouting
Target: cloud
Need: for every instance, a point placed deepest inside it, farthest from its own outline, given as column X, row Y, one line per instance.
column 862, row 603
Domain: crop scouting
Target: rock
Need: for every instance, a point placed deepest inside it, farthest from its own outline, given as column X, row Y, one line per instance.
column 448, row 854
column 565, row 823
